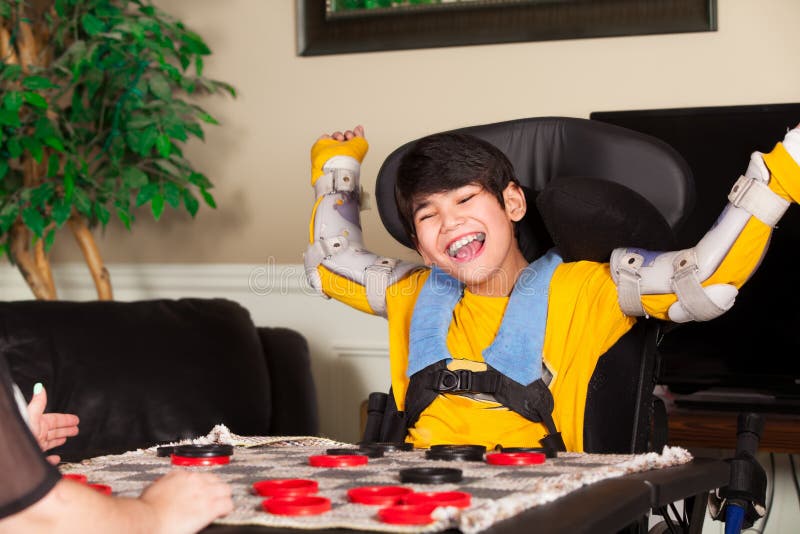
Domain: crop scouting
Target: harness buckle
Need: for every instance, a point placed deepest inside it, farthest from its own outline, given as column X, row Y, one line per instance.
column 448, row 380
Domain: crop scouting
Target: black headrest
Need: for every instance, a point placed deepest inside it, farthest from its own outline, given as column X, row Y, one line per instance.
column 542, row 149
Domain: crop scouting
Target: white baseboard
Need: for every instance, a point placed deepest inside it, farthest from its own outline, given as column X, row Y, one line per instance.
column 349, row 349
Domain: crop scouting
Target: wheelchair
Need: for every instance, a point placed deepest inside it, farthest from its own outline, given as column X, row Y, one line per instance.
column 597, row 187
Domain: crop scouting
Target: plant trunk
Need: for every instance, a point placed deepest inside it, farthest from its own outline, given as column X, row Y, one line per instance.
column 85, row 239
column 35, row 265
column 19, row 250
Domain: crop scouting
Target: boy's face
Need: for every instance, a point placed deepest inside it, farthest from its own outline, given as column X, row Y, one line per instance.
column 469, row 235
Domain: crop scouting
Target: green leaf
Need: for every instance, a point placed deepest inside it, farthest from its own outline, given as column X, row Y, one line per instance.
column 14, row 147
column 54, row 142
column 164, row 145
column 208, row 198
column 177, row 131
column 198, row 65
column 9, row 118
column 195, row 129
column 8, row 215
column 59, row 6
column 102, row 213
column 10, row 72
column 53, row 165
column 195, row 44
column 124, row 216
column 49, row 239
column 82, row 202
column 3, row 168
column 157, row 206
column 38, row 82
column 200, row 180
column 92, row 24
column 12, row 100
column 35, row 99
column 205, row 117
column 33, row 220
column 62, row 208
column 172, row 194
column 191, row 203
column 134, row 177
column 42, row 194
column 33, row 146
column 69, row 180
column 159, row 86
column 148, row 140
column 146, row 193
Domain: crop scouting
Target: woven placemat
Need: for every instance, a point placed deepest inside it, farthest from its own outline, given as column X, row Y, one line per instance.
column 497, row 492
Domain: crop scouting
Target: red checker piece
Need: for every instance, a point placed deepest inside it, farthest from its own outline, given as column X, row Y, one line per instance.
column 385, row 495
column 76, row 477
column 297, row 505
column 407, row 514
column 210, row 460
column 459, row 499
column 285, row 487
column 344, row 460
column 102, row 488
column 515, row 458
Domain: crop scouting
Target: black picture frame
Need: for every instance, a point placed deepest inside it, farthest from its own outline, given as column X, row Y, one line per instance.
column 497, row 21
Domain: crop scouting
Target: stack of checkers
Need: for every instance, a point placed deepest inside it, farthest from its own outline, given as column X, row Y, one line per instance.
column 382, row 487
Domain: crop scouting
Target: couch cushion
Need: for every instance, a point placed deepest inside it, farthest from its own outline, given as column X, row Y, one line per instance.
column 140, row 373
column 294, row 397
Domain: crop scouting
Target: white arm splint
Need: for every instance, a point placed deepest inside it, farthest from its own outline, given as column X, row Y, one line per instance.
column 338, row 243
column 640, row 272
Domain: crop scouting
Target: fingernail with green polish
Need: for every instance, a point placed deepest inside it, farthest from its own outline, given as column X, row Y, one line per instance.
column 37, row 388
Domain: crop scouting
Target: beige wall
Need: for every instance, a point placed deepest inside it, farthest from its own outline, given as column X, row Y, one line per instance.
column 258, row 157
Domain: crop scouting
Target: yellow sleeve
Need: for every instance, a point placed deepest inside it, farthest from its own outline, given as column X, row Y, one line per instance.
column 747, row 251
column 344, row 290
column 325, row 149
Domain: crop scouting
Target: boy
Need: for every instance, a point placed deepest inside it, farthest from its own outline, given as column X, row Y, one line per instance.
column 529, row 335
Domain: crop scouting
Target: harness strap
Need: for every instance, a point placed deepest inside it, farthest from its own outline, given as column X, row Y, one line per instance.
column 534, row 402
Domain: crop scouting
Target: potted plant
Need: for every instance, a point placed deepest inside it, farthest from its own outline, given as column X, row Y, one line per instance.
column 94, row 110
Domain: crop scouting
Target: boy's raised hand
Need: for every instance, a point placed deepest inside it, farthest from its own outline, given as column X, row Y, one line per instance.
column 350, row 143
column 358, row 131
column 50, row 429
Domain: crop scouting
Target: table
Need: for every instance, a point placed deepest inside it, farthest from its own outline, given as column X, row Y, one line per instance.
column 605, row 506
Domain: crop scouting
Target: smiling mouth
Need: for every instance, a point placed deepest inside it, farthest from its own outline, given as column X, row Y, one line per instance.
column 467, row 246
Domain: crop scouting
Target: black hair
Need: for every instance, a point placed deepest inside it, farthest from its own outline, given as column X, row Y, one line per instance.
column 448, row 161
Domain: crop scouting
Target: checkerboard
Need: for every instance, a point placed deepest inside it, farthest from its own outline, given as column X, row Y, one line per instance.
column 498, row 492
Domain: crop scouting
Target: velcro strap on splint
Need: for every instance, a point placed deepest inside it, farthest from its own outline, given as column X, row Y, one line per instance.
column 687, row 287
column 335, row 181
column 376, row 278
column 757, row 199
column 628, row 289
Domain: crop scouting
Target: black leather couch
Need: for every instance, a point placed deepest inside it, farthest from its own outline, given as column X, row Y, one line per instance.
column 147, row 372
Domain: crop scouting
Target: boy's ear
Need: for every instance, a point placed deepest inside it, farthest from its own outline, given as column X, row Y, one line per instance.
column 514, row 199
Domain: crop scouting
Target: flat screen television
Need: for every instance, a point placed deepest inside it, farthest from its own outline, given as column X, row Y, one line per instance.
column 752, row 353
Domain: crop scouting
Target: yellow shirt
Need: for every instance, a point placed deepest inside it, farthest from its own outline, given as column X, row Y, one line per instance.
column 583, row 321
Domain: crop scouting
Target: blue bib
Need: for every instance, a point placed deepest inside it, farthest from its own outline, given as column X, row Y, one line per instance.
column 516, row 350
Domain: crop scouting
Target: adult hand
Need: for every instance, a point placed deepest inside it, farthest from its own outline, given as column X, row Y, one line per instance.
column 185, row 501
column 50, row 429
